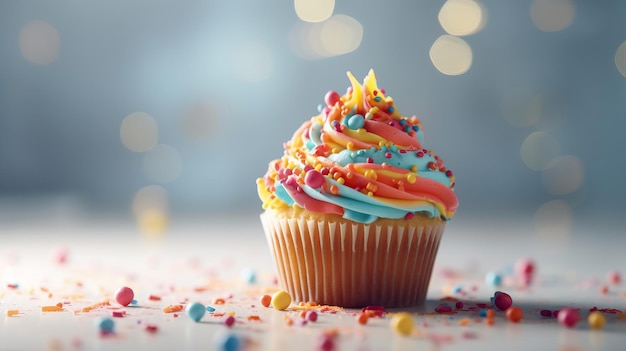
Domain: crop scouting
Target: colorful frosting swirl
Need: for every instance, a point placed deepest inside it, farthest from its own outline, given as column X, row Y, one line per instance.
column 361, row 159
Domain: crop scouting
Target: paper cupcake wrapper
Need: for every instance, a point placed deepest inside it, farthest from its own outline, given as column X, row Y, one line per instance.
column 353, row 264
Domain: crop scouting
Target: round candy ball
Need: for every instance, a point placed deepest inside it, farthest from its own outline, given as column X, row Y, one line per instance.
column 596, row 320
column 124, row 296
column 266, row 300
column 227, row 342
column 281, row 300
column 195, row 311
column 402, row 323
column 568, row 317
column 105, row 325
column 514, row 314
column 502, row 300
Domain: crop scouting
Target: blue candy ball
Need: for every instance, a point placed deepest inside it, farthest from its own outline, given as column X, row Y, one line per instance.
column 356, row 122
column 195, row 311
column 105, row 324
column 228, row 342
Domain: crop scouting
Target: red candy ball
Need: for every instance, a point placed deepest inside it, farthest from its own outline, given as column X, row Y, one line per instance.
column 568, row 317
column 124, row 296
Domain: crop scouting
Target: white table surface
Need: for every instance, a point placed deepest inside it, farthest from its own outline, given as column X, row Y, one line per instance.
column 214, row 253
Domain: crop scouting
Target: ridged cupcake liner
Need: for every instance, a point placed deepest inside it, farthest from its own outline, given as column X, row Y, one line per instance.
column 353, row 264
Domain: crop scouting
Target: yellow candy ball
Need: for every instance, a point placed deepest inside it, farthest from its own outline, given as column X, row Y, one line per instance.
column 281, row 300
column 402, row 323
column 596, row 320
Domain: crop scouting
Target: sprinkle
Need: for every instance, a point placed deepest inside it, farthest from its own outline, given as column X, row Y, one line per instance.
column 409, row 215
column 195, row 311
column 514, row 314
column 402, row 323
column 568, row 317
column 459, row 305
column 596, row 320
column 105, row 324
column 210, row 309
column 150, row 328
column 281, row 300
column 117, row 314
column 331, row 98
column 229, row 321
column 387, row 154
column 219, row 301
column 51, row 308
column 443, row 309
column 492, row 278
column 311, row 316
column 419, row 154
column 154, row 298
column 362, row 318
column 11, row 313
column 502, row 300
column 173, row 308
column 377, row 98
column 124, row 295
column 614, row 277
column 490, row 313
column 545, row 313
column 464, row 321
column 227, row 341
column 266, row 300
column 327, row 342
column 254, row 318
column 369, row 160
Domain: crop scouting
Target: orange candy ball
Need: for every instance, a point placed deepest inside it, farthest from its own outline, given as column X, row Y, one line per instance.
column 514, row 314
column 266, row 300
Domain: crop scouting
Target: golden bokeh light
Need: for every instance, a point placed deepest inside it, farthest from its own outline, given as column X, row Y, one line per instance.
column 314, row 10
column 553, row 222
column 552, row 15
column 139, row 132
column 162, row 164
column 539, row 149
column 462, row 17
column 338, row 35
column 40, row 43
column 620, row 59
column 151, row 208
column 341, row 34
column 451, row 55
column 563, row 175
column 252, row 62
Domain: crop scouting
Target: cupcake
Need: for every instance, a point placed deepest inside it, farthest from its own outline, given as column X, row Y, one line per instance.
column 355, row 209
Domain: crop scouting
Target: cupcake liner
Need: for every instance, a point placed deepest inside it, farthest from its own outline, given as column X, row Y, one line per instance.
column 353, row 264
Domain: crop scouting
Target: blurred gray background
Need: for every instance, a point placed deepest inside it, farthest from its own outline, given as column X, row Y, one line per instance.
column 176, row 107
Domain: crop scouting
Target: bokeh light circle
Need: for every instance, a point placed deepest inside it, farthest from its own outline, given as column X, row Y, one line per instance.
column 620, row 59
column 539, row 149
column 40, row 43
column 341, row 34
column 451, row 55
column 139, row 132
column 314, row 10
column 552, row 15
column 461, row 17
column 553, row 222
column 563, row 175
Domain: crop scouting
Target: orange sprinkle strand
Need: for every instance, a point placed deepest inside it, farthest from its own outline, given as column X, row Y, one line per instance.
column 154, row 298
column 51, row 309
column 464, row 321
column 173, row 308
column 11, row 313
column 254, row 318
column 219, row 301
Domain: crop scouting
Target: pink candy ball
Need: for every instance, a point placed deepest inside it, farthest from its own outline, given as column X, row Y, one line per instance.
column 568, row 317
column 331, row 98
column 614, row 277
column 124, row 296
